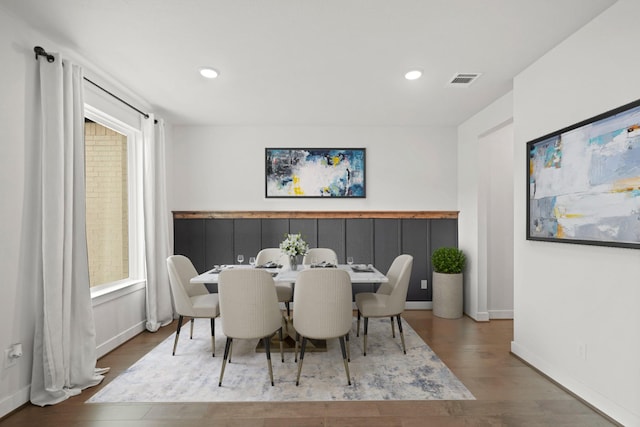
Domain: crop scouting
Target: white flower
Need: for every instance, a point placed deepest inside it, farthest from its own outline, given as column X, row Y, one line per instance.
column 294, row 245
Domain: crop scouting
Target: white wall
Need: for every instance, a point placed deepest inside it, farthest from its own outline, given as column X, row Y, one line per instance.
column 474, row 210
column 495, row 206
column 569, row 297
column 222, row 168
column 16, row 316
column 117, row 317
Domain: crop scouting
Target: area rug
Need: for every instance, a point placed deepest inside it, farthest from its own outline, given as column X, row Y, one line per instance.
column 385, row 373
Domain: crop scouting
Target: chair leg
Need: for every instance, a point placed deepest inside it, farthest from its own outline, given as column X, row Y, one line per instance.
column 227, row 348
column 302, row 347
column 348, row 348
column 358, row 325
column 288, row 305
column 393, row 330
column 267, row 349
column 213, row 338
column 175, row 342
column 344, row 359
column 193, row 319
column 281, row 344
column 366, row 330
column 295, row 359
column 404, row 349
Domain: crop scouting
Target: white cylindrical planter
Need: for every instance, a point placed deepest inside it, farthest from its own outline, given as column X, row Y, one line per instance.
column 447, row 295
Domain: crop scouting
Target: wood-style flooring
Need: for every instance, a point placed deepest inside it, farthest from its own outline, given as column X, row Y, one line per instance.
column 508, row 392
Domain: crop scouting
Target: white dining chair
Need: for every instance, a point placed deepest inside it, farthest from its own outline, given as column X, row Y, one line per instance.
column 249, row 309
column 322, row 309
column 283, row 290
column 318, row 255
column 190, row 299
column 389, row 300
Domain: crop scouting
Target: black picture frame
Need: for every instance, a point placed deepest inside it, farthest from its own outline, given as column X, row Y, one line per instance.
column 315, row 173
column 583, row 181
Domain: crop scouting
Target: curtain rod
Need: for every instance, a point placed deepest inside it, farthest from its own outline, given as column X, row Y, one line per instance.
column 50, row 58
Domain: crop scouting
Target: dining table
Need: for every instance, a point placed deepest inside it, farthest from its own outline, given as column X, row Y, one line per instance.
column 358, row 273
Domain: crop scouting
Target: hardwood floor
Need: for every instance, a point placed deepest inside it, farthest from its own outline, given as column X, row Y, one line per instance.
column 507, row 391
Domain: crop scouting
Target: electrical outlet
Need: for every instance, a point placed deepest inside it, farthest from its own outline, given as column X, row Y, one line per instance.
column 12, row 354
column 8, row 360
column 423, row 284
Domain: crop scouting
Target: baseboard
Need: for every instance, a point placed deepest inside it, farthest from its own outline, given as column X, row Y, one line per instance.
column 119, row 339
column 14, row 401
column 500, row 314
column 605, row 407
column 418, row 305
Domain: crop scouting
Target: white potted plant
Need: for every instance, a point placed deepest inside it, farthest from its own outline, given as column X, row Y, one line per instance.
column 294, row 246
column 448, row 265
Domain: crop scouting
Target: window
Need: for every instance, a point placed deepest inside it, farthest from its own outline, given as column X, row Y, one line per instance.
column 112, row 186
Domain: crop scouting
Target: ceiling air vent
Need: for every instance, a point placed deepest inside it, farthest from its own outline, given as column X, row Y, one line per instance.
column 463, row 79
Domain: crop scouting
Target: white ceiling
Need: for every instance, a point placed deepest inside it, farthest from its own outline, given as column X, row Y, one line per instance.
column 310, row 62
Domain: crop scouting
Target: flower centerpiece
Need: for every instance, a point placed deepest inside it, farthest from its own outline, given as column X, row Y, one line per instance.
column 293, row 246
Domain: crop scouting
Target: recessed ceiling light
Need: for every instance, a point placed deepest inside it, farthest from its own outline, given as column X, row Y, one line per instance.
column 413, row 75
column 209, row 73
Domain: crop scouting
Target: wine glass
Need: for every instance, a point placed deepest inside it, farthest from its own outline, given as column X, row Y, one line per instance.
column 240, row 258
column 252, row 261
column 350, row 260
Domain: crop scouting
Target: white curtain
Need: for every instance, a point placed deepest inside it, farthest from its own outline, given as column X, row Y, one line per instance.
column 64, row 358
column 156, row 225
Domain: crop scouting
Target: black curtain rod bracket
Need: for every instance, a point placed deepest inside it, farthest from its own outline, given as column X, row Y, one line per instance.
column 41, row 52
column 50, row 58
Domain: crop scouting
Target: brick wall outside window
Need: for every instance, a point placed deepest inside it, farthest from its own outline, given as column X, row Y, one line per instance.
column 107, row 204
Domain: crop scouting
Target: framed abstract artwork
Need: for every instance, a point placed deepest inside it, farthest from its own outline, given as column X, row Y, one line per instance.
column 315, row 172
column 583, row 182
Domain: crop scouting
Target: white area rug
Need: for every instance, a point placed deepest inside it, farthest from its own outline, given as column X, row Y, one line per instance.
column 192, row 374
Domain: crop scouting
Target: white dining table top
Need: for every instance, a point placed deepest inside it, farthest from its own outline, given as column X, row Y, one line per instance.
column 289, row 276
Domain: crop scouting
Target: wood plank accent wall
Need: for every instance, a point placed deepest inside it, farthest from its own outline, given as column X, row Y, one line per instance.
column 377, row 237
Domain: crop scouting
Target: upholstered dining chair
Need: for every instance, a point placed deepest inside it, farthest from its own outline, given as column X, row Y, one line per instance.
column 322, row 309
column 283, row 290
column 389, row 300
column 318, row 255
column 249, row 309
column 190, row 299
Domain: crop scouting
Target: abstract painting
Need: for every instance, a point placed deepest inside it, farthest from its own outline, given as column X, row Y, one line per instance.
column 315, row 172
column 584, row 181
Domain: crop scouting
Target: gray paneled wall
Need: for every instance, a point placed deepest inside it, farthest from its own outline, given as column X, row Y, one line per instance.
column 210, row 241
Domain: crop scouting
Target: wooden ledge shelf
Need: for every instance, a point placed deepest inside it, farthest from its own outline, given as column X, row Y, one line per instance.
column 316, row 214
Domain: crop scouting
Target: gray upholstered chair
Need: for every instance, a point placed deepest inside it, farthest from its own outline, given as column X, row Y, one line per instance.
column 389, row 300
column 283, row 290
column 318, row 255
column 190, row 299
column 322, row 309
column 249, row 309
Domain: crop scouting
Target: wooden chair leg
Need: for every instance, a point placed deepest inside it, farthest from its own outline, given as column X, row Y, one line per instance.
column 175, row 342
column 358, row 325
column 193, row 319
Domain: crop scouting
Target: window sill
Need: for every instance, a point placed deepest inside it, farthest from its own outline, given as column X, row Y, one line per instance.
column 105, row 293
